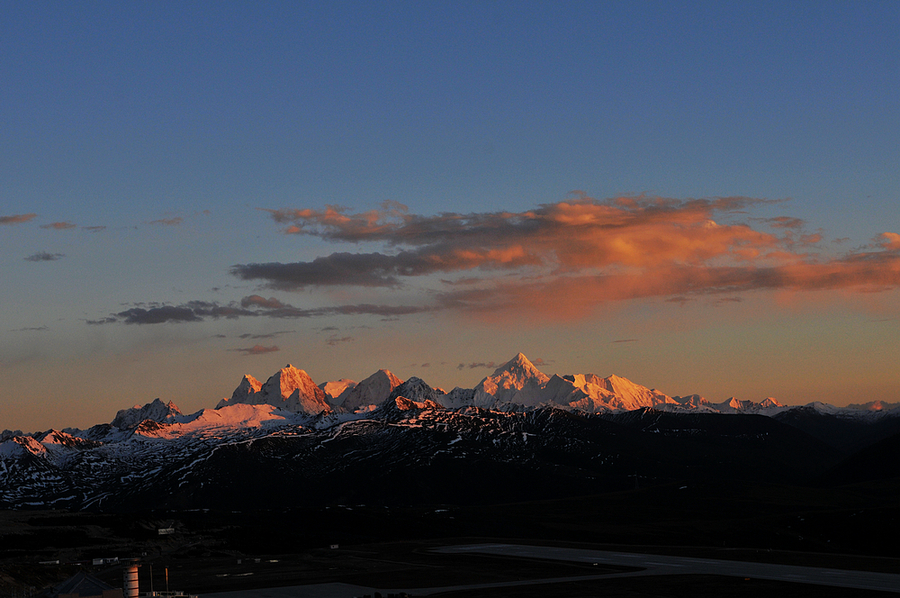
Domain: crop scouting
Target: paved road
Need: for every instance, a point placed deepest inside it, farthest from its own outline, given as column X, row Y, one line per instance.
column 675, row 565
column 651, row 564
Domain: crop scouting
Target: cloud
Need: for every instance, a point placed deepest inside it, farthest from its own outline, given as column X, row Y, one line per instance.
column 43, row 256
column 785, row 222
column 626, row 340
column 250, row 306
column 811, row 239
column 276, row 309
column 563, row 259
column 257, row 350
column 475, row 365
column 168, row 221
column 558, row 261
column 359, row 269
column 192, row 311
column 334, row 340
column 257, row 301
column 17, row 218
column 158, row 315
column 575, row 297
column 93, row 229
column 32, row 329
column 680, row 299
column 58, row 226
column 889, row 241
column 267, row 335
column 565, row 236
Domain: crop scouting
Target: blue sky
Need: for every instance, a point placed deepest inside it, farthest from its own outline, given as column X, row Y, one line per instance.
column 152, row 142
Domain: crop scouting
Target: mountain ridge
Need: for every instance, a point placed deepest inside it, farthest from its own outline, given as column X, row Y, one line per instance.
column 289, row 441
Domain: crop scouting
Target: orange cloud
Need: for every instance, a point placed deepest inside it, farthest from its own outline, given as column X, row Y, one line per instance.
column 17, row 218
column 564, row 259
column 58, row 226
column 889, row 241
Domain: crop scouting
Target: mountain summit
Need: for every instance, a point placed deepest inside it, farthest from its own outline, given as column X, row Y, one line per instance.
column 289, row 388
column 516, row 381
column 369, row 393
column 155, row 410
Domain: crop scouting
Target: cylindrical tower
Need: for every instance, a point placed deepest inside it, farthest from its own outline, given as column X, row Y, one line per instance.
column 130, row 579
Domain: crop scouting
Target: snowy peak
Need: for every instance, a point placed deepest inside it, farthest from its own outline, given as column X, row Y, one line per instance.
column 874, row 406
column 289, row 388
column 630, row 396
column 20, row 446
column 508, row 380
column 734, row 405
column 334, row 389
column 156, row 410
column 417, row 390
column 57, row 439
column 292, row 389
column 285, row 381
column 248, row 386
column 520, row 367
column 372, row 391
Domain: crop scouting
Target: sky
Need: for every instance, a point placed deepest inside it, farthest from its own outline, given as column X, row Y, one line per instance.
column 702, row 197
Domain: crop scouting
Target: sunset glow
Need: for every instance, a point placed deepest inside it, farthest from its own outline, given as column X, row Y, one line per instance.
column 701, row 198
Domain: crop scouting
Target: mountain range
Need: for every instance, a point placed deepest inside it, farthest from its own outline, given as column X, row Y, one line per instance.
column 518, row 434
column 517, row 385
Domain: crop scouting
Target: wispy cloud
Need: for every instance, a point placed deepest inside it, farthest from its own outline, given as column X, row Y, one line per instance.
column 479, row 364
column 17, row 218
column 59, row 226
column 274, row 308
column 93, row 229
column 784, row 222
column 257, row 350
column 168, row 221
column 32, row 329
column 251, row 306
column 626, row 340
column 729, row 300
column 335, row 340
column 43, row 256
column 265, row 335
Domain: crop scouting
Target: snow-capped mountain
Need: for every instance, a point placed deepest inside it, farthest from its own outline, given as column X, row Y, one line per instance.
column 875, row 406
column 416, row 389
column 768, row 406
column 369, row 393
column 517, row 381
column 334, row 389
column 155, row 410
column 289, row 388
column 518, row 430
